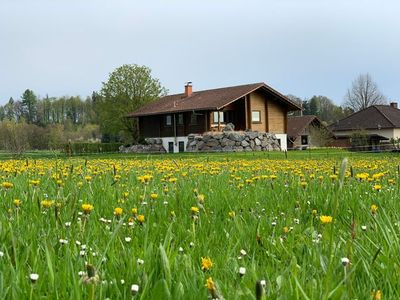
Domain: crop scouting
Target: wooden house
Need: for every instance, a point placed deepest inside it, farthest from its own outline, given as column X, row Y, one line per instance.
column 256, row 107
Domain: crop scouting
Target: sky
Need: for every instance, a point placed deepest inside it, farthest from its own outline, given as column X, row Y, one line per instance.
column 299, row 47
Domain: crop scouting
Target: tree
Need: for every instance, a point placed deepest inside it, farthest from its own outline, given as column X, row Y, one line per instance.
column 29, row 101
column 128, row 88
column 363, row 93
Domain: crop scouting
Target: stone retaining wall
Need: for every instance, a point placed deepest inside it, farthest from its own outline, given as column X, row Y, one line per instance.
column 154, row 145
column 232, row 141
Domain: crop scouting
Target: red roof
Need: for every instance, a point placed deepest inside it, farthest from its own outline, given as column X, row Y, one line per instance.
column 214, row 99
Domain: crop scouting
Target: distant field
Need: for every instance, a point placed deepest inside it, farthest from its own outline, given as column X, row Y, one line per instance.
column 189, row 226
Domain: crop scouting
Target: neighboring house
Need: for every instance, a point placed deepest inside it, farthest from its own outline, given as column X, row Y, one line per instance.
column 375, row 123
column 255, row 107
column 306, row 131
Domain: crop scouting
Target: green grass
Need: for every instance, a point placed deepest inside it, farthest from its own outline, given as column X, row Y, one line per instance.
column 302, row 263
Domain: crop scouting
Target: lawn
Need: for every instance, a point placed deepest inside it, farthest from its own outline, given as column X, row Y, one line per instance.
column 307, row 226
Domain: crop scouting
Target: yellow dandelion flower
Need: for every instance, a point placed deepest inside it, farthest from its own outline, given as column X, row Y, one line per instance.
column 172, row 180
column 374, row 209
column 210, row 285
column 325, row 219
column 206, row 263
column 376, row 295
column 194, row 210
column 153, row 196
column 17, row 202
column 34, row 182
column 47, row 203
column 140, row 219
column 87, row 208
column 200, row 198
column 88, row 178
column 134, row 211
column 118, row 211
column 231, row 214
column 377, row 187
column 285, row 229
column 7, row 185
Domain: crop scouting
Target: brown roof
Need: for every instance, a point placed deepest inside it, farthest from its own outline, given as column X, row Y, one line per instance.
column 373, row 117
column 296, row 124
column 214, row 99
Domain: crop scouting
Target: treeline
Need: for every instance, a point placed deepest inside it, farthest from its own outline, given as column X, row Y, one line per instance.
column 49, row 110
column 47, row 123
column 322, row 107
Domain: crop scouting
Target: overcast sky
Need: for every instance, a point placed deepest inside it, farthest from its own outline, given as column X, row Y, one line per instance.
column 299, row 47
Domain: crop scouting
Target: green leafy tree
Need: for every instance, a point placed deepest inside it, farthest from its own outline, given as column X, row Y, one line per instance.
column 128, row 88
column 29, row 102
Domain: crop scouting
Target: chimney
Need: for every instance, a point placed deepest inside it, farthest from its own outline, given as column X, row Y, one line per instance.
column 393, row 104
column 188, row 89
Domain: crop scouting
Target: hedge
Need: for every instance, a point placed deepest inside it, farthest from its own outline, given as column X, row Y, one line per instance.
column 79, row 148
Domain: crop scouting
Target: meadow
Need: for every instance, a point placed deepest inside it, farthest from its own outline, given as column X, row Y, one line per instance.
column 198, row 227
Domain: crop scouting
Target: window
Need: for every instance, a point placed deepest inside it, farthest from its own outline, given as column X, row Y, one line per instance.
column 168, row 120
column 180, row 119
column 256, row 116
column 221, row 116
column 304, row 139
column 193, row 118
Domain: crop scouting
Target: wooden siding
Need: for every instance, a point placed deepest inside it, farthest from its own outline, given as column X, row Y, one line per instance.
column 149, row 126
column 155, row 126
column 258, row 103
column 277, row 117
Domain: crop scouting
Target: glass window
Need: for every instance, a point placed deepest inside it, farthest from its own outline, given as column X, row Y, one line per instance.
column 256, row 116
column 304, row 140
column 168, row 120
column 180, row 119
column 193, row 118
column 221, row 116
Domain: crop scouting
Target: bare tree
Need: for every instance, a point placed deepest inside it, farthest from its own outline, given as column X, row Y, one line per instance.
column 364, row 92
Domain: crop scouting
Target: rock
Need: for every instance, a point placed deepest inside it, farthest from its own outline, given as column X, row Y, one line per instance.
column 238, row 149
column 218, row 136
column 229, row 127
column 252, row 144
column 257, row 141
column 257, row 148
column 236, row 136
column 245, row 143
column 230, row 143
column 150, row 141
column 251, row 134
column 200, row 145
column 212, row 143
column 227, row 149
column 207, row 137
